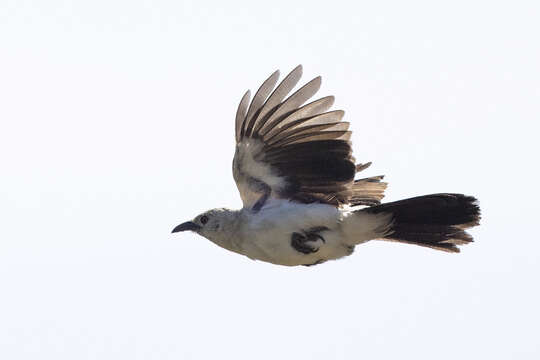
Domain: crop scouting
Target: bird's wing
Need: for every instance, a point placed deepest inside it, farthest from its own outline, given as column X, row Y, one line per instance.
column 300, row 153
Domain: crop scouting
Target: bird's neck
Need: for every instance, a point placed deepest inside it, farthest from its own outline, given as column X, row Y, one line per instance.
column 228, row 235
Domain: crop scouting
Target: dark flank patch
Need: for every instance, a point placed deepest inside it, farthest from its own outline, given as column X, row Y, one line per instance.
column 300, row 240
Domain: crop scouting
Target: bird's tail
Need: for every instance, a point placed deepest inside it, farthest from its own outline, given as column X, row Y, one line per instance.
column 436, row 221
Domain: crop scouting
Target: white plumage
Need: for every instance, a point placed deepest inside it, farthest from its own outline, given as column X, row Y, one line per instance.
column 295, row 172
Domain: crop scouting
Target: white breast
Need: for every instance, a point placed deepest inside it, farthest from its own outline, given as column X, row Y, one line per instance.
column 266, row 235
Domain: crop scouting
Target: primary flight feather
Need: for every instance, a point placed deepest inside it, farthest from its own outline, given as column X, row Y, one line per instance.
column 295, row 172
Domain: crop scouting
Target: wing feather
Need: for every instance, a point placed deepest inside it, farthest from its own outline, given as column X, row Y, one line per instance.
column 278, row 95
column 305, row 113
column 283, row 137
column 288, row 150
column 258, row 100
column 317, row 136
column 241, row 115
column 292, row 103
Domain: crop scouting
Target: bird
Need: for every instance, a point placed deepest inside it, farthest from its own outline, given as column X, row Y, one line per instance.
column 302, row 204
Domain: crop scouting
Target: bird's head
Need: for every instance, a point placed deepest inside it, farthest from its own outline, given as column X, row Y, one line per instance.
column 212, row 224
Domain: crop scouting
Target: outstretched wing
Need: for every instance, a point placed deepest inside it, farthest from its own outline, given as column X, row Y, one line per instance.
column 301, row 153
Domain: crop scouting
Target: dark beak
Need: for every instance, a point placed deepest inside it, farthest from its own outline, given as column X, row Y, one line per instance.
column 188, row 225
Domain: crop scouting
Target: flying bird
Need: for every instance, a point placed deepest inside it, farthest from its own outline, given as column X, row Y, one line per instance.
column 295, row 172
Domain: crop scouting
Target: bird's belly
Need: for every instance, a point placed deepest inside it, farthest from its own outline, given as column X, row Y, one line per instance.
column 268, row 235
column 279, row 250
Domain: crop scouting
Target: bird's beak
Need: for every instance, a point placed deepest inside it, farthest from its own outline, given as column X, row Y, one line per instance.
column 188, row 225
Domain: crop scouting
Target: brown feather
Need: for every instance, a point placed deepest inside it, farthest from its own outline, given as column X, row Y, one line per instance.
column 305, row 145
column 258, row 100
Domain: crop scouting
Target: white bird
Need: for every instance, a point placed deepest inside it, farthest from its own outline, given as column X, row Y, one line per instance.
column 295, row 172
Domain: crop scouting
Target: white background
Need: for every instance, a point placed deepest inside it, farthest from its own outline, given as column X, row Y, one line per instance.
column 117, row 124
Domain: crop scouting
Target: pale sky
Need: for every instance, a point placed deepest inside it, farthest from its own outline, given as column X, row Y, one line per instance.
column 117, row 123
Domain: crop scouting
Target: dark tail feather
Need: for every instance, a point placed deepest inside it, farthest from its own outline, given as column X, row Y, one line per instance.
column 436, row 221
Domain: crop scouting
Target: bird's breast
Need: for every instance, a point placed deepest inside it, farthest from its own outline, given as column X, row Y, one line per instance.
column 266, row 235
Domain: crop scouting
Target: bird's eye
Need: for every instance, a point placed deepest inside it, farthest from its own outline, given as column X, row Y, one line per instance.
column 204, row 219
